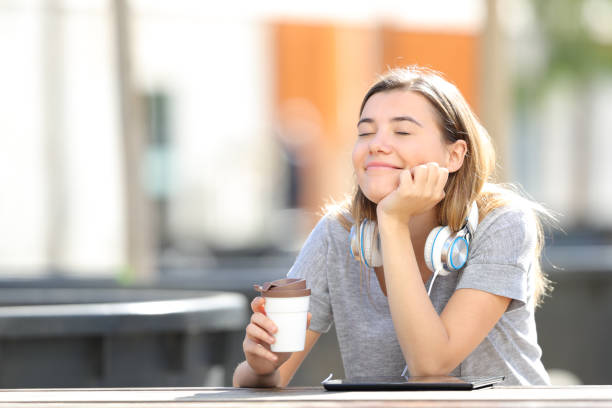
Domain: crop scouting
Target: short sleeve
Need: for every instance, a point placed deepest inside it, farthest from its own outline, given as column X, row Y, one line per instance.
column 311, row 264
column 501, row 256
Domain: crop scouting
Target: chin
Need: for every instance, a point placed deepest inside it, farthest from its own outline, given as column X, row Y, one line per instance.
column 376, row 194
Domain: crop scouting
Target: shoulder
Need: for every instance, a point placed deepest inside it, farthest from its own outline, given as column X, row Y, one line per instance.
column 508, row 219
column 506, row 233
column 326, row 244
column 502, row 253
column 336, row 226
column 505, row 207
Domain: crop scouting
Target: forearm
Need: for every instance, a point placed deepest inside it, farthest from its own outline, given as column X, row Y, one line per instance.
column 244, row 376
column 421, row 333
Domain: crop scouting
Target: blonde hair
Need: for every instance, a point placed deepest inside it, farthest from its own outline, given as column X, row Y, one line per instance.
column 473, row 181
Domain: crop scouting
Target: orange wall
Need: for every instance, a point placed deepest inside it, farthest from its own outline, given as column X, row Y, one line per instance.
column 326, row 69
column 305, row 64
column 453, row 54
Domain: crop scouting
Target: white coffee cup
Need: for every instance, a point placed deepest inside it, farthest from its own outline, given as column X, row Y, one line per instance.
column 286, row 304
column 290, row 316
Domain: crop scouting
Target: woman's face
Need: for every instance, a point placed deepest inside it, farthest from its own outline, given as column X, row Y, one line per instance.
column 397, row 130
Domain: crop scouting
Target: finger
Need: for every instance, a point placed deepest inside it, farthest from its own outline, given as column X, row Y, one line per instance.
column 257, row 305
column 433, row 176
column 432, row 170
column 420, row 176
column 264, row 322
column 308, row 317
column 258, row 335
column 260, row 351
column 441, row 183
column 407, row 177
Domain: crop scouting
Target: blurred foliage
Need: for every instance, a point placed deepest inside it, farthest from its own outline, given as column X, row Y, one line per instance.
column 572, row 50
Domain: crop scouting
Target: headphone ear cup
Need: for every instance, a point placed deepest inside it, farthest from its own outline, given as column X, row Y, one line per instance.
column 458, row 252
column 370, row 252
column 428, row 247
column 354, row 243
column 433, row 249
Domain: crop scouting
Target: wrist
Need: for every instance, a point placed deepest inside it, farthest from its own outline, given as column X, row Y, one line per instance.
column 262, row 373
column 389, row 224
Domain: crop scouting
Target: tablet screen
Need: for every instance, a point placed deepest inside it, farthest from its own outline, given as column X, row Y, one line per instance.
column 410, row 383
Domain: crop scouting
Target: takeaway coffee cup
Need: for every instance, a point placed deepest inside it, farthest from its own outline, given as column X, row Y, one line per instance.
column 287, row 302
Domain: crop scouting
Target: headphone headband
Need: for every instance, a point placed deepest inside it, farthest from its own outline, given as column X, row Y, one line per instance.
column 472, row 220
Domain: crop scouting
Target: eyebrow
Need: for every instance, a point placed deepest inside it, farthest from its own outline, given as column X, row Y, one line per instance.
column 395, row 119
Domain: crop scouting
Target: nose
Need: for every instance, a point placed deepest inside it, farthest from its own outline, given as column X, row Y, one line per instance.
column 380, row 143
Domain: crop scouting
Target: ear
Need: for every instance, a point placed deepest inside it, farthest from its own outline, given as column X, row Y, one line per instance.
column 456, row 151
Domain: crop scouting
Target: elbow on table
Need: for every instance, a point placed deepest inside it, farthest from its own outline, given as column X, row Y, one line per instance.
column 245, row 376
column 430, row 368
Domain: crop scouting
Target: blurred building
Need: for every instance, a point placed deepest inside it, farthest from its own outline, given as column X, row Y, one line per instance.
column 234, row 124
column 138, row 134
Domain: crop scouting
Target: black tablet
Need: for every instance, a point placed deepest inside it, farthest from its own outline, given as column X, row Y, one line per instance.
column 410, row 383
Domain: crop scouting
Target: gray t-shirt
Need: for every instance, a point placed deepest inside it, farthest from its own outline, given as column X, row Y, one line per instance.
column 500, row 261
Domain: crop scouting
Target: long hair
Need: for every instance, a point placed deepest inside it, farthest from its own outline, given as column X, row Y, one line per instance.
column 473, row 181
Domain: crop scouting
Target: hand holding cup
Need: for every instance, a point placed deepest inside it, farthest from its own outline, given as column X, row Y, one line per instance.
column 278, row 324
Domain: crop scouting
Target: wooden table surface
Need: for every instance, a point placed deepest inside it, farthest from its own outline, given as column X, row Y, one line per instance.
column 573, row 396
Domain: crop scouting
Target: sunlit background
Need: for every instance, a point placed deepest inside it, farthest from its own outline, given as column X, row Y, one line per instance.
column 193, row 143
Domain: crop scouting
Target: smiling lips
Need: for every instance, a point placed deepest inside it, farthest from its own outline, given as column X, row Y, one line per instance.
column 379, row 165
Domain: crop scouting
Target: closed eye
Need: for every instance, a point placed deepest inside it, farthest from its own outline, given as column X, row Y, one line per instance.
column 365, row 134
column 402, row 133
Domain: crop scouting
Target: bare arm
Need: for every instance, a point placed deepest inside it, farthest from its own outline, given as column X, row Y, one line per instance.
column 432, row 344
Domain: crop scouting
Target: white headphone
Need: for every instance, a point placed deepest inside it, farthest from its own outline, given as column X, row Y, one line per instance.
column 445, row 251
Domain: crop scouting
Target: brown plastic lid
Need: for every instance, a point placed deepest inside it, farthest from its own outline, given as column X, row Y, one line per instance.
column 288, row 287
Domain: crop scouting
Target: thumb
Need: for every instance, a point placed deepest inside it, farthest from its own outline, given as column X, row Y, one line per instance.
column 257, row 305
column 309, row 316
column 261, row 306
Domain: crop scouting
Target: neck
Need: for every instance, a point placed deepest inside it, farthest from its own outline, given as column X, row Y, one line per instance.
column 421, row 225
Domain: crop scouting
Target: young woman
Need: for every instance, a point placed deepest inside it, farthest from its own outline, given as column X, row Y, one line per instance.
column 421, row 160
